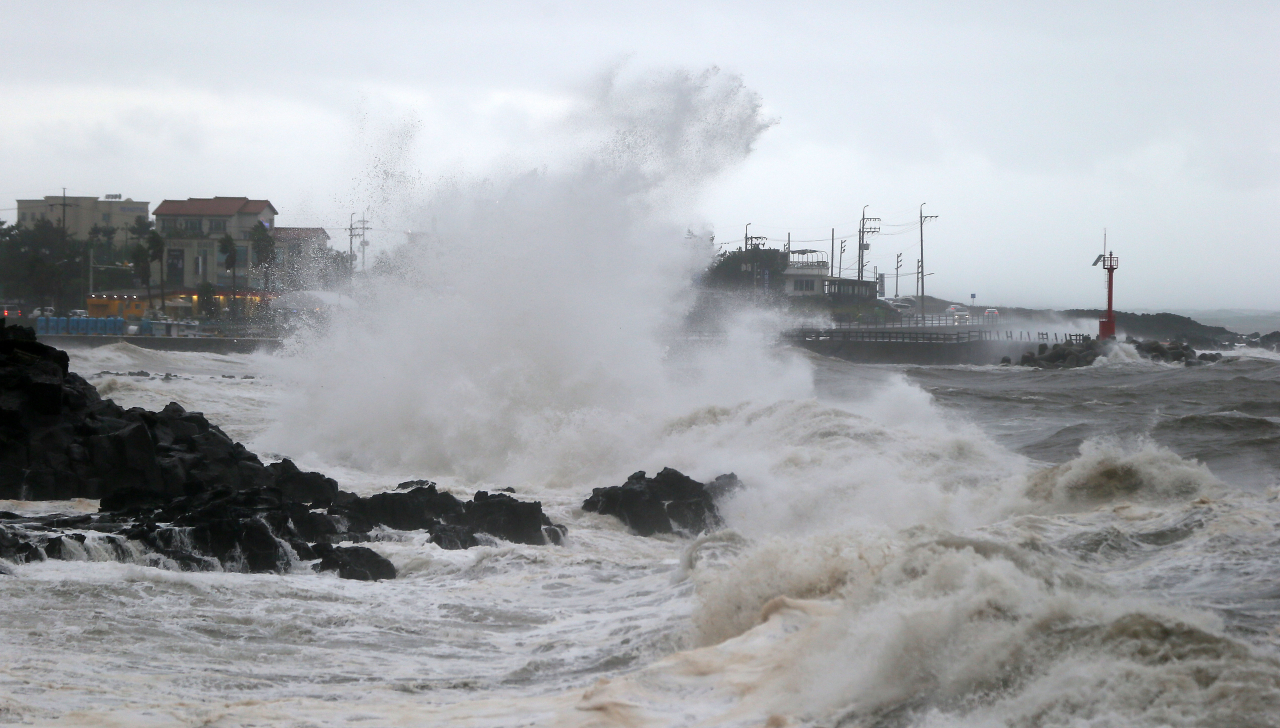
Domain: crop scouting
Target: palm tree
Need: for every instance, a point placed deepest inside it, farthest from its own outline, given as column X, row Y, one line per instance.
column 155, row 246
column 264, row 250
column 227, row 246
column 142, row 266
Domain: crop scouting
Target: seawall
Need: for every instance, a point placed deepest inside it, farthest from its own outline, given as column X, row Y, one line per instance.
column 208, row 344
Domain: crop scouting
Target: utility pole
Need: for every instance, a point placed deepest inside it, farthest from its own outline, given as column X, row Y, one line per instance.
column 364, row 243
column 863, row 231
column 351, row 245
column 897, row 267
column 920, row 272
column 831, row 262
column 352, row 230
column 62, row 222
column 753, row 243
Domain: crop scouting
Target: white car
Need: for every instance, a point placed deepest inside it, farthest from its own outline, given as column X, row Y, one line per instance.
column 957, row 313
column 991, row 312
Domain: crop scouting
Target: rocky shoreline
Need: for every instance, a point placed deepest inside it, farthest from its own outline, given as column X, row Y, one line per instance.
column 174, row 491
column 1072, row 354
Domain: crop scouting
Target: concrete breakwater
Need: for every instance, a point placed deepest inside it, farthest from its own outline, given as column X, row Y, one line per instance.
column 208, row 344
column 977, row 346
column 900, row 346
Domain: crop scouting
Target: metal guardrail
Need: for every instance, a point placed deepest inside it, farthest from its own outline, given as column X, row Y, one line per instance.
column 916, row 321
column 882, row 334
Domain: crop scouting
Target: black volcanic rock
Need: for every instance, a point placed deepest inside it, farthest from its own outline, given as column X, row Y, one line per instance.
column 669, row 502
column 312, row 488
column 180, row 489
column 1071, row 354
column 354, row 562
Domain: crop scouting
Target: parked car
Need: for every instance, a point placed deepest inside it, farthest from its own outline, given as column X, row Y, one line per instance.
column 991, row 312
column 39, row 311
column 957, row 314
column 77, row 313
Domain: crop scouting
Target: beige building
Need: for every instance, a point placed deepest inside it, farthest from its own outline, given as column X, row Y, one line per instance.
column 192, row 229
column 82, row 213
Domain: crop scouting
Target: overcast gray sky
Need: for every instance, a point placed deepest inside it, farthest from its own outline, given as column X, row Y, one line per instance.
column 1026, row 127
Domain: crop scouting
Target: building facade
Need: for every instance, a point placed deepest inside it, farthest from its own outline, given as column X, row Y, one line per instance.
column 806, row 273
column 80, row 214
column 192, row 229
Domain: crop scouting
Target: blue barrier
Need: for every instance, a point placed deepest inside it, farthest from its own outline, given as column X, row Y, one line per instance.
column 117, row 326
column 144, row 327
column 42, row 325
column 62, row 325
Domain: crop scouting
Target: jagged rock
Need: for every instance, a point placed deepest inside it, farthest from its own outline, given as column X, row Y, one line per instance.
column 666, row 503
column 354, row 562
column 180, row 487
column 418, row 509
column 312, row 488
column 411, row 484
column 1066, row 355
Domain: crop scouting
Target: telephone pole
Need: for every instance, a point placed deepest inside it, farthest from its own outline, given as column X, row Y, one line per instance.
column 62, row 222
column 920, row 272
column 352, row 231
column 863, row 231
column 896, row 275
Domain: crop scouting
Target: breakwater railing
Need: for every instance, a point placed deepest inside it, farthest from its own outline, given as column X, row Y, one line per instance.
column 929, row 337
column 916, row 320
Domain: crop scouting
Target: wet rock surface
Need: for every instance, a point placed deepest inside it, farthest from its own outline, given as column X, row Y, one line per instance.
column 174, row 490
column 1083, row 353
column 669, row 502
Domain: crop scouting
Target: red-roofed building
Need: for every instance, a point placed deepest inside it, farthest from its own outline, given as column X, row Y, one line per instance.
column 192, row 229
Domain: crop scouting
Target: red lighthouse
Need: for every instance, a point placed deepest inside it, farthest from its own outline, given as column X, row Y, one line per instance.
column 1107, row 324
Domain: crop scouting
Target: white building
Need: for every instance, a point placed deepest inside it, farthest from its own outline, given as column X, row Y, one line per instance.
column 806, row 273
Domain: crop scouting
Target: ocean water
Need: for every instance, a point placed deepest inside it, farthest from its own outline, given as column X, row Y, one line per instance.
column 913, row 547
column 933, row 546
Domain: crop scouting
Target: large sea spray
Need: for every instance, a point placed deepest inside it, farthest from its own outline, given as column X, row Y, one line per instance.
column 889, row 562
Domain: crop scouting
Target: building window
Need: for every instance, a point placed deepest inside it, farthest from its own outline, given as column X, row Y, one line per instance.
column 193, row 226
column 217, row 226
column 22, row 217
column 802, row 284
column 166, row 223
column 106, row 217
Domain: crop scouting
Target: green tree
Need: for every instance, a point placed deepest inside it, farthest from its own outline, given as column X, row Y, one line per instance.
column 757, row 268
column 41, row 264
column 264, row 250
column 227, row 246
column 155, row 248
column 139, row 229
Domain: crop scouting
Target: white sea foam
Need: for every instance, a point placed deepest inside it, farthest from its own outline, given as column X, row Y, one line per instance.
column 886, row 564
